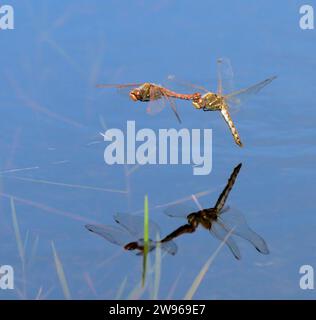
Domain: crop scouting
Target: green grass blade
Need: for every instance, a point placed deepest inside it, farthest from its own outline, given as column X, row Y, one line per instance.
column 197, row 281
column 146, row 221
column 61, row 274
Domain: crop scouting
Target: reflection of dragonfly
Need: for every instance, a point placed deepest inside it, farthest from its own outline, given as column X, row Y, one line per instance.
column 221, row 100
column 149, row 92
column 219, row 221
column 130, row 234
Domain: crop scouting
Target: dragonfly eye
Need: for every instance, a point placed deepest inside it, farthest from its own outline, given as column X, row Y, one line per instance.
column 134, row 95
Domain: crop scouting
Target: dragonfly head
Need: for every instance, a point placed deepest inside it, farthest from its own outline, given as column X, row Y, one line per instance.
column 135, row 95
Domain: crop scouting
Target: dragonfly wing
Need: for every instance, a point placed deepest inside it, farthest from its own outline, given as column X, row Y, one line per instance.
column 119, row 86
column 220, row 233
column 170, row 247
column 179, row 210
column 135, row 225
column 122, row 89
column 230, row 123
column 182, row 83
column 113, row 234
column 234, row 219
column 173, row 107
column 240, row 96
column 225, row 76
column 156, row 102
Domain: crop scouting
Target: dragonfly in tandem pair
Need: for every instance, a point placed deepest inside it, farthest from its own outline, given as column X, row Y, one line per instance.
column 220, row 221
column 156, row 95
column 223, row 100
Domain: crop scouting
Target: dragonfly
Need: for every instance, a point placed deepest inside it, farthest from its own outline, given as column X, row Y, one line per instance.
column 150, row 92
column 220, row 220
column 129, row 234
column 222, row 100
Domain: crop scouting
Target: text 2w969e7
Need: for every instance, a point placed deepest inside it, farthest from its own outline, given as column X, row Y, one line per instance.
column 195, row 309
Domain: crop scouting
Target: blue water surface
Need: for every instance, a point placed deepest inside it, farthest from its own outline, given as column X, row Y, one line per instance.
column 52, row 114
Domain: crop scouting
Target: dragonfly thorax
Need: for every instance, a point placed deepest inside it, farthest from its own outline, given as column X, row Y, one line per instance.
column 209, row 102
column 212, row 102
column 146, row 92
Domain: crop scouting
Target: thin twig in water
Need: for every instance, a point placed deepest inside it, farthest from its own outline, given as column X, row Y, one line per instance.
column 61, row 274
column 196, row 283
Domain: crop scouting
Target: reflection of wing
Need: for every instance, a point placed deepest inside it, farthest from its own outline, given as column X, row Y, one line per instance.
column 240, row 96
column 179, row 210
column 135, row 225
column 113, row 234
column 170, row 247
column 230, row 123
column 220, row 233
column 224, row 195
column 233, row 218
column 225, row 76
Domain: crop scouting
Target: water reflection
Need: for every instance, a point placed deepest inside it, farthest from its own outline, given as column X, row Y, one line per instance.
column 219, row 220
column 130, row 233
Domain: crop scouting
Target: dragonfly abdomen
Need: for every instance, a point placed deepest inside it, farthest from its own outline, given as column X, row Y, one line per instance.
column 230, row 123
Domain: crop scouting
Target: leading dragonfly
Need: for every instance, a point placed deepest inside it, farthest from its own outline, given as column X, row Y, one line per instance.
column 220, row 220
column 157, row 95
column 129, row 234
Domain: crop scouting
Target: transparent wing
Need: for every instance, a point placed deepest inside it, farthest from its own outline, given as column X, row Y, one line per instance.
column 122, row 89
column 220, row 233
column 173, row 107
column 240, row 96
column 233, row 218
column 157, row 101
column 119, row 86
column 170, row 247
column 179, row 210
column 225, row 76
column 186, row 84
column 135, row 225
column 113, row 234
